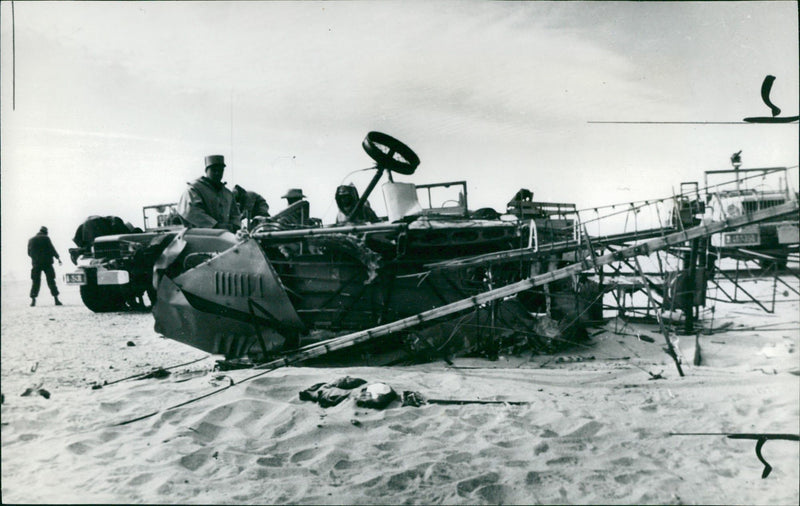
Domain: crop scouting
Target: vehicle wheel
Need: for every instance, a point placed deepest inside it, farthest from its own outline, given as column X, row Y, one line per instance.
column 102, row 299
column 389, row 153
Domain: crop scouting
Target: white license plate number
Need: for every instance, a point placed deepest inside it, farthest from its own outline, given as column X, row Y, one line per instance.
column 75, row 278
column 741, row 239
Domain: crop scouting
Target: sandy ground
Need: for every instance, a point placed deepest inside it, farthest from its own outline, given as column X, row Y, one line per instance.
column 591, row 430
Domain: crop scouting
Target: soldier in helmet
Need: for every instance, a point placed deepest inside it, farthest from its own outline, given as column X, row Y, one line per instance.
column 207, row 202
column 346, row 200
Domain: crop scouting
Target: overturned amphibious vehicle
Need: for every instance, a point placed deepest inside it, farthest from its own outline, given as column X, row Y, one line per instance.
column 284, row 285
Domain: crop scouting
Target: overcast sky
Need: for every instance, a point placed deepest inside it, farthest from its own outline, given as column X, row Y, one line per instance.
column 117, row 103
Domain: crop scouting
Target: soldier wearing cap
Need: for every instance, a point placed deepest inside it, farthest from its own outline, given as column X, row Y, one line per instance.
column 294, row 195
column 207, row 203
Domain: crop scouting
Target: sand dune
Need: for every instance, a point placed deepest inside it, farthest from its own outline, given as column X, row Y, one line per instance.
column 587, row 426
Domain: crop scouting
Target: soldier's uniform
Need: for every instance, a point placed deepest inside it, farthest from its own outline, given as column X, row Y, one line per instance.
column 209, row 204
column 42, row 252
column 251, row 204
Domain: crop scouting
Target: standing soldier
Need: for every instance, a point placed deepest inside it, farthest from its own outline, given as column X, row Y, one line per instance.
column 207, row 202
column 42, row 252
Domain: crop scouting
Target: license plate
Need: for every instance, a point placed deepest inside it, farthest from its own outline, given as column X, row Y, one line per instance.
column 75, row 278
column 747, row 239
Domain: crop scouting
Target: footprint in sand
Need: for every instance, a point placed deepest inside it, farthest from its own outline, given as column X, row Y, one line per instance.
column 206, row 432
column 388, row 446
column 534, row 478
column 494, row 494
column 273, row 460
column 440, row 473
column 457, row 458
column 343, row 464
column 624, row 461
column 628, row 478
column 219, row 414
column 650, row 407
column 113, row 407
column 408, row 478
column 140, row 479
column 466, row 487
column 586, row 430
column 78, row 448
column 195, row 460
column 403, row 429
column 566, row 460
column 285, row 427
column 304, row 455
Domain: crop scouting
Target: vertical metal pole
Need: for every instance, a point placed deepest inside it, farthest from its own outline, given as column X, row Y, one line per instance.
column 690, row 289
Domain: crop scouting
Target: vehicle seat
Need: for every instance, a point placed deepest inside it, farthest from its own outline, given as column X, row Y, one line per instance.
column 401, row 200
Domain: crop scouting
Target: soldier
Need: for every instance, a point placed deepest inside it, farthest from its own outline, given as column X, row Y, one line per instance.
column 42, row 252
column 251, row 204
column 293, row 195
column 207, row 202
column 346, row 200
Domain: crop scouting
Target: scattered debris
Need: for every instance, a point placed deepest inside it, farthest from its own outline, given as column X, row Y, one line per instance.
column 376, row 396
column 234, row 364
column 221, row 377
column 413, row 399
column 36, row 390
column 570, row 359
column 159, row 373
column 331, row 394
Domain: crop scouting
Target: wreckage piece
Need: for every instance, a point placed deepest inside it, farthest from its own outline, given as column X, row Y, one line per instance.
column 227, row 302
column 316, row 279
column 337, row 343
column 375, row 396
column 450, row 308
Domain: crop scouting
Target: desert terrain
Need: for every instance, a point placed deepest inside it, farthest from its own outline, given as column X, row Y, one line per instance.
column 590, row 425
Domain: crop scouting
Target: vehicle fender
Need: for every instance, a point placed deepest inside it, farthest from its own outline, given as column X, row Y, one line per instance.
column 170, row 253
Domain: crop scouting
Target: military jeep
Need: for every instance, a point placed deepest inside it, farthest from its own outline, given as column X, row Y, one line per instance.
column 115, row 260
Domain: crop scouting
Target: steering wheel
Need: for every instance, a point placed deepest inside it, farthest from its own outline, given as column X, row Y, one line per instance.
column 390, row 154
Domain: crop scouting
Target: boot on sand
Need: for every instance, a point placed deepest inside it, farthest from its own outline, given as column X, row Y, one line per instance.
column 58, row 302
column 33, row 301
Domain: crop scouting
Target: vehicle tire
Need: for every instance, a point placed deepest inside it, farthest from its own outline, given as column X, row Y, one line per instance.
column 103, row 299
